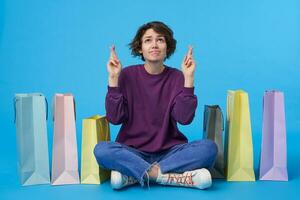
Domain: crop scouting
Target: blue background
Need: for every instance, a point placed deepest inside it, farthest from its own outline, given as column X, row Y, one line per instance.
column 63, row 46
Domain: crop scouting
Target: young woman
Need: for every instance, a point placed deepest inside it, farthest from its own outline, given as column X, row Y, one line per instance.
column 148, row 100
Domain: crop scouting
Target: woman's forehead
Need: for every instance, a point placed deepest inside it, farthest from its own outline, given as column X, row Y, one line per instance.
column 152, row 33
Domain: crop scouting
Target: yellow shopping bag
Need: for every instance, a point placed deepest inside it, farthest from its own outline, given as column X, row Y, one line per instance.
column 94, row 130
column 239, row 138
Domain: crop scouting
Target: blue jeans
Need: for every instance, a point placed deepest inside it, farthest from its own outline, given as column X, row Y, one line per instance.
column 135, row 163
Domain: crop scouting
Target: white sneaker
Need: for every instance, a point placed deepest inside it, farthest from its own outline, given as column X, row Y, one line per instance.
column 118, row 180
column 199, row 178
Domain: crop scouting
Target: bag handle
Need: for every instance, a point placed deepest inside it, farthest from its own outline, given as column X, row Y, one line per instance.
column 53, row 108
column 74, row 104
column 46, row 108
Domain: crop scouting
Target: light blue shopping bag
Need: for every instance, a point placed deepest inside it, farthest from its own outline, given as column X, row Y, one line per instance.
column 31, row 127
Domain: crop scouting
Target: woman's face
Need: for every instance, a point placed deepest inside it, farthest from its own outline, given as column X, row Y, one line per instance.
column 154, row 46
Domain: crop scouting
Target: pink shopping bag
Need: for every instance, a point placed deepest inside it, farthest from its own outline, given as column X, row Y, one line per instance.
column 64, row 152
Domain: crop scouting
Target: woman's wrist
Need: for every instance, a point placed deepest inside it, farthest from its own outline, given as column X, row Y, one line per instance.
column 188, row 81
column 113, row 81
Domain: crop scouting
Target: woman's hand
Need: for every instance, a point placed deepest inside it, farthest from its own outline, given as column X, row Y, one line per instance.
column 114, row 68
column 188, row 68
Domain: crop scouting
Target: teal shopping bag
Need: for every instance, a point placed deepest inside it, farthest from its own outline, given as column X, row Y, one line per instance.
column 32, row 144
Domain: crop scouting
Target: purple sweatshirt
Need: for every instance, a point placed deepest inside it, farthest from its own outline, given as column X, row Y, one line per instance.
column 149, row 106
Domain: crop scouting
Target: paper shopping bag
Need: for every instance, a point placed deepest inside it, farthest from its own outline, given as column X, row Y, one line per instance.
column 273, row 158
column 94, row 130
column 64, row 152
column 213, row 126
column 239, row 138
column 32, row 142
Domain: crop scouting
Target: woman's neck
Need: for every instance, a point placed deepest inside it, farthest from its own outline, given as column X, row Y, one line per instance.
column 154, row 67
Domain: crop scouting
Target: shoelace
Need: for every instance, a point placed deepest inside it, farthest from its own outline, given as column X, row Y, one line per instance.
column 182, row 179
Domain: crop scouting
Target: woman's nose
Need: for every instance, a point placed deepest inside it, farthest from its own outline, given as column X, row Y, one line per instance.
column 154, row 44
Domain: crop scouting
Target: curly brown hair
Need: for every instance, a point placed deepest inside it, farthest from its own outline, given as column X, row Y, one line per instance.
column 159, row 27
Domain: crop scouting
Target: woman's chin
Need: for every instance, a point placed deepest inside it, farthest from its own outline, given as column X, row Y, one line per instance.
column 155, row 60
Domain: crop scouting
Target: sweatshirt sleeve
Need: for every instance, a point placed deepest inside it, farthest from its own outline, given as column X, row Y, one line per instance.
column 116, row 106
column 184, row 106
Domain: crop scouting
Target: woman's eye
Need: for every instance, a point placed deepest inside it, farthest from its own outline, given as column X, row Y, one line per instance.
column 161, row 40
column 147, row 40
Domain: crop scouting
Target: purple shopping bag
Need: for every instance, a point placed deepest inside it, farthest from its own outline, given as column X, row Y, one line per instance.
column 273, row 160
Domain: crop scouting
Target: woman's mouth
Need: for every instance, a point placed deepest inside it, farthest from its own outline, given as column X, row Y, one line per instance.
column 154, row 52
